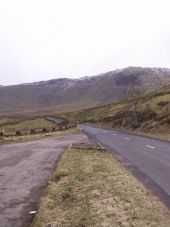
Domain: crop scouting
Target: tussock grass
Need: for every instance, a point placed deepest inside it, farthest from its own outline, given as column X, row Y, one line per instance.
column 89, row 188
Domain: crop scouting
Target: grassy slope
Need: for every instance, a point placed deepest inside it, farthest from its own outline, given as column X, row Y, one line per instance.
column 6, row 121
column 158, row 126
column 93, row 114
column 26, row 124
column 90, row 188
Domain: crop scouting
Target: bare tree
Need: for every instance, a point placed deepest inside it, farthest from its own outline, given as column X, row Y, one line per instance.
column 133, row 101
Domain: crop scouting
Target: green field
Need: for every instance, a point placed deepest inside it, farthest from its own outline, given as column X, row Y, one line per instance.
column 26, row 124
column 5, row 121
column 30, row 137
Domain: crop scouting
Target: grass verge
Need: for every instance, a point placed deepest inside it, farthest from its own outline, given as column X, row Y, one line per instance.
column 89, row 188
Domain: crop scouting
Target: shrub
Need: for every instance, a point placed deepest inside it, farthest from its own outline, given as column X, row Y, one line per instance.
column 53, row 129
column 1, row 133
column 18, row 133
column 135, row 125
column 162, row 103
column 145, row 116
column 44, row 130
column 32, row 131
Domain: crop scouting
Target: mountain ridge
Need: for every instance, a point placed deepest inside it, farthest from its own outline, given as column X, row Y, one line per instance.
column 71, row 94
column 159, row 70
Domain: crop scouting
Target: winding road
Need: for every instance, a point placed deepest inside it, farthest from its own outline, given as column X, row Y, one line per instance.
column 26, row 167
column 148, row 159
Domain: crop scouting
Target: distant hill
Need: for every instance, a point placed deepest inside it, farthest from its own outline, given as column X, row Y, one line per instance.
column 72, row 94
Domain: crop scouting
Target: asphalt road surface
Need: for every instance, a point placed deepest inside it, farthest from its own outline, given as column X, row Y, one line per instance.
column 24, row 171
column 148, row 159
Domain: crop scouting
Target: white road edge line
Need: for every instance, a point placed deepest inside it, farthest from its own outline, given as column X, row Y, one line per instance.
column 127, row 139
column 149, row 146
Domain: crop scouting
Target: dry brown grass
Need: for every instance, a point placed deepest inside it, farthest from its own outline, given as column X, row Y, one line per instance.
column 89, row 188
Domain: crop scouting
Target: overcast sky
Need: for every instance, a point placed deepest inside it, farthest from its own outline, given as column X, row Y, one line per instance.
column 45, row 39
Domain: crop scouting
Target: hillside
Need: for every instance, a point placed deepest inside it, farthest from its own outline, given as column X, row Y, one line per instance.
column 72, row 94
column 153, row 114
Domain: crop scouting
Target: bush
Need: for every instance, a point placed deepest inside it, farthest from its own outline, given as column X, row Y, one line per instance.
column 44, row 130
column 18, row 133
column 145, row 116
column 53, row 129
column 162, row 103
column 32, row 131
column 135, row 125
column 1, row 133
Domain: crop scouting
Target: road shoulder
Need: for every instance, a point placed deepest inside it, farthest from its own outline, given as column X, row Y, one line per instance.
column 90, row 188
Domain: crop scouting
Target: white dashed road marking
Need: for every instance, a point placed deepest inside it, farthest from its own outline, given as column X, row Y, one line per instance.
column 127, row 139
column 149, row 146
column 33, row 212
column 115, row 134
